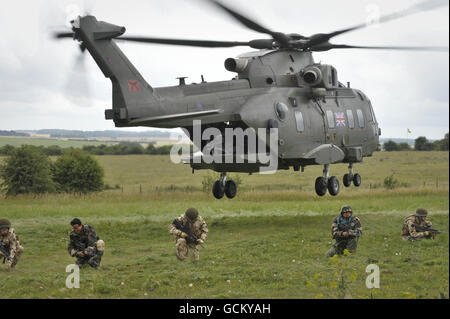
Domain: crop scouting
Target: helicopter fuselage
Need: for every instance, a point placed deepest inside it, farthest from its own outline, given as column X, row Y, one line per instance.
column 317, row 124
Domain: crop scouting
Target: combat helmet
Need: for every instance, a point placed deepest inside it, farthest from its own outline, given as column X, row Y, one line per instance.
column 191, row 214
column 346, row 209
column 421, row 212
column 5, row 223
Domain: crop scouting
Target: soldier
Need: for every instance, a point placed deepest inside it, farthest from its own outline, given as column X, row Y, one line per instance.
column 346, row 230
column 9, row 243
column 194, row 225
column 409, row 231
column 85, row 245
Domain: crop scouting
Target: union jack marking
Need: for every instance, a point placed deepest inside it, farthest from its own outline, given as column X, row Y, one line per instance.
column 340, row 119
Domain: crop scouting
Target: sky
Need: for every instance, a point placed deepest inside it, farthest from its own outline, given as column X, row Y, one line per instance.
column 47, row 84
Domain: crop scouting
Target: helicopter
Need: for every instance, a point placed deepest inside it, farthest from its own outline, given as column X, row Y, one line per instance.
column 279, row 95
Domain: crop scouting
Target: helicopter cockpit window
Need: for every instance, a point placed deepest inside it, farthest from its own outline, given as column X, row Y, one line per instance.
column 351, row 120
column 299, row 121
column 282, row 110
column 330, row 119
column 334, row 77
column 360, row 118
column 371, row 112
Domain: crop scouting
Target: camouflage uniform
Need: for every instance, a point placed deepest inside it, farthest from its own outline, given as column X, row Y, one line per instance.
column 15, row 249
column 88, row 242
column 409, row 228
column 198, row 228
column 350, row 242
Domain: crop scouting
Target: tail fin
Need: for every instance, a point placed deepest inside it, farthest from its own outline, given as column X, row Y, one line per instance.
column 132, row 96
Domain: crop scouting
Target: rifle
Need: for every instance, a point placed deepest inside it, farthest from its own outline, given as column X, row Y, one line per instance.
column 345, row 228
column 4, row 249
column 428, row 229
column 191, row 239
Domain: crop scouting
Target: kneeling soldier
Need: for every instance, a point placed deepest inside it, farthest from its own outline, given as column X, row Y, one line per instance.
column 346, row 230
column 85, row 245
column 189, row 230
column 414, row 227
column 10, row 248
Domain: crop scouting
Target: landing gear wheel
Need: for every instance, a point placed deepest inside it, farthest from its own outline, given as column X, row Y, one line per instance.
column 347, row 180
column 218, row 189
column 357, row 180
column 230, row 188
column 321, row 186
column 333, row 185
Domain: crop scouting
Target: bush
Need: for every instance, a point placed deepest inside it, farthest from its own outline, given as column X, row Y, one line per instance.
column 390, row 182
column 78, row 172
column 422, row 144
column 404, row 147
column 7, row 150
column 390, row 146
column 27, row 170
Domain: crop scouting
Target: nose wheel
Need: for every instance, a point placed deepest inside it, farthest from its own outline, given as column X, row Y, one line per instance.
column 350, row 177
column 223, row 187
column 325, row 183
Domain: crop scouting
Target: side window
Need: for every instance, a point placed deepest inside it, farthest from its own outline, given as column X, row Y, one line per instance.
column 351, row 120
column 371, row 112
column 299, row 121
column 360, row 118
column 330, row 119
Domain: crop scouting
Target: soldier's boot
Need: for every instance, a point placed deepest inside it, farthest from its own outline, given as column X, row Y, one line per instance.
column 331, row 252
column 196, row 254
column 94, row 262
column 19, row 253
column 81, row 262
column 182, row 249
column 352, row 244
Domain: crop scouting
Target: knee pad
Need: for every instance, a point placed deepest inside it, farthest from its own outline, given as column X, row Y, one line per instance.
column 100, row 245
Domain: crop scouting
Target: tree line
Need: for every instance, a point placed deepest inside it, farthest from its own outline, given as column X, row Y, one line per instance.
column 420, row 144
column 29, row 170
column 122, row 148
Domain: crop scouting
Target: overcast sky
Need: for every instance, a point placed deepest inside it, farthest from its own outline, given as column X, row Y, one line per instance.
column 40, row 88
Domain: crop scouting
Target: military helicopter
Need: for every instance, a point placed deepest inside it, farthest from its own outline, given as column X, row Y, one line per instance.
column 279, row 87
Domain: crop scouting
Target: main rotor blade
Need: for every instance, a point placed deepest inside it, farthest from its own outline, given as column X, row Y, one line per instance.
column 419, row 7
column 326, row 47
column 195, row 43
column 281, row 38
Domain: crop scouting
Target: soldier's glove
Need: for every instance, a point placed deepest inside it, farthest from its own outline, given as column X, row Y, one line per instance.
column 200, row 241
column 426, row 233
column 184, row 235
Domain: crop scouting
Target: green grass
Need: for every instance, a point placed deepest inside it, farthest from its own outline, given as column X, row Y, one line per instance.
column 268, row 242
column 153, row 172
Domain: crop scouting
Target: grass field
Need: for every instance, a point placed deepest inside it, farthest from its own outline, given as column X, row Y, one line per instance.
column 268, row 242
column 18, row 141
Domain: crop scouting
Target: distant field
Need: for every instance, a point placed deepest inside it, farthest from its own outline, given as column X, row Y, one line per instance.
column 150, row 173
column 268, row 242
column 18, row 141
